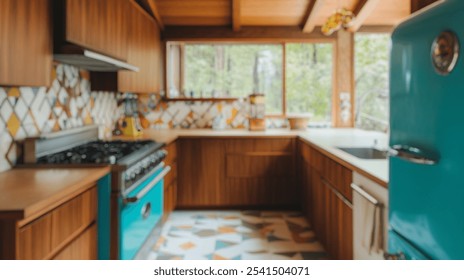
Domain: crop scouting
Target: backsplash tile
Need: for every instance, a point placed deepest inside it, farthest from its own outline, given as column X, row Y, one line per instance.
column 67, row 103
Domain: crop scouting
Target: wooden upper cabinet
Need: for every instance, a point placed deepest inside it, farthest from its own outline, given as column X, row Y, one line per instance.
column 25, row 43
column 144, row 52
column 99, row 25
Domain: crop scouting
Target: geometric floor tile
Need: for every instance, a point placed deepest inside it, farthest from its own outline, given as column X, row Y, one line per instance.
column 235, row 235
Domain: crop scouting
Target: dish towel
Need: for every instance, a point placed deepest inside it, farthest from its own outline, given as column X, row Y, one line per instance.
column 373, row 230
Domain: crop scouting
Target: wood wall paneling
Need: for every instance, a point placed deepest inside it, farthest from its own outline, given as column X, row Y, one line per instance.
column 344, row 78
column 144, row 51
column 246, row 33
column 99, row 25
column 25, row 43
column 198, row 12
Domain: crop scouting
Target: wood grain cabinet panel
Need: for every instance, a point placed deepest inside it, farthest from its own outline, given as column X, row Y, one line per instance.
column 260, row 172
column 82, row 248
column 144, row 51
column 100, row 25
column 170, row 182
column 72, row 217
column 200, row 173
column 325, row 201
column 25, row 43
column 34, row 239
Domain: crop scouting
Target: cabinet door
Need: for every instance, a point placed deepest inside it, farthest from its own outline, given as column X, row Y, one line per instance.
column 34, row 239
column 144, row 51
column 98, row 25
column 72, row 217
column 84, row 247
column 260, row 172
column 200, row 173
column 25, row 43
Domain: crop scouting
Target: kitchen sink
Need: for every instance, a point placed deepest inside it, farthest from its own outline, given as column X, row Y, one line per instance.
column 365, row 153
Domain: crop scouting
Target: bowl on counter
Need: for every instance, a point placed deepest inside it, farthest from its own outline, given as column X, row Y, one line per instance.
column 298, row 122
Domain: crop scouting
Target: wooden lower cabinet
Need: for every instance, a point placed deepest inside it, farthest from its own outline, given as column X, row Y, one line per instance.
column 170, row 181
column 327, row 209
column 200, row 173
column 84, row 247
column 236, row 173
column 66, row 232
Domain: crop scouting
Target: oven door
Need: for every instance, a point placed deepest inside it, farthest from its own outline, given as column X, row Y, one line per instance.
column 141, row 210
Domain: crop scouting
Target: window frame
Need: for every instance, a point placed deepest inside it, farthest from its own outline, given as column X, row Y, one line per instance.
column 282, row 43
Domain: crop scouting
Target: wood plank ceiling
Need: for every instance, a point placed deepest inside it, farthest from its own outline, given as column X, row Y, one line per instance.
column 303, row 13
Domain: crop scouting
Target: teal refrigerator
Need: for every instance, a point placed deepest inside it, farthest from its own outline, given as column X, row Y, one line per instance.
column 426, row 189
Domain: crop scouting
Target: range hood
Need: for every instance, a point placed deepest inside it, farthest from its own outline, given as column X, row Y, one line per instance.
column 93, row 61
column 77, row 52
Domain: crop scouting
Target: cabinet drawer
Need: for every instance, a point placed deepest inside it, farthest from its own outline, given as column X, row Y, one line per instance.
column 73, row 216
column 338, row 176
column 84, row 247
column 34, row 239
column 285, row 145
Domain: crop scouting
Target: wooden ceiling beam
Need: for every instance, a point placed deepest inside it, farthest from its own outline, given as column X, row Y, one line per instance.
column 236, row 14
column 156, row 13
column 362, row 11
column 310, row 18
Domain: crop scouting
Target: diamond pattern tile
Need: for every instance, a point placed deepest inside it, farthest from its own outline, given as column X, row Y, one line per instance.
column 6, row 110
column 13, row 125
column 21, row 109
column 27, row 94
column 67, row 103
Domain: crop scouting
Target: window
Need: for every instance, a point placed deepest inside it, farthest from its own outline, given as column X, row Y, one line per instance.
column 309, row 80
column 218, row 70
column 372, row 54
column 235, row 70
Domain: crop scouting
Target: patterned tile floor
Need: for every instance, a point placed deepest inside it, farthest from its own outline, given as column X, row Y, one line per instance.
column 236, row 235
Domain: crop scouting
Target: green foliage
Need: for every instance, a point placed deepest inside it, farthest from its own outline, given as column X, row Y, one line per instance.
column 372, row 54
column 309, row 80
column 235, row 70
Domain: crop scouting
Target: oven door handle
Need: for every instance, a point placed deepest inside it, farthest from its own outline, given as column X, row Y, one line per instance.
column 151, row 185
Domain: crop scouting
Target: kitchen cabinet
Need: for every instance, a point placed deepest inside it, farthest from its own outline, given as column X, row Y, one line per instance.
column 200, row 173
column 101, row 26
column 241, row 172
column 65, row 232
column 260, row 172
column 144, row 51
column 25, row 43
column 170, row 183
column 324, row 185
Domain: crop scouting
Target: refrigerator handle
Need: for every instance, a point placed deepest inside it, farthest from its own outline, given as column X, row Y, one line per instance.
column 412, row 154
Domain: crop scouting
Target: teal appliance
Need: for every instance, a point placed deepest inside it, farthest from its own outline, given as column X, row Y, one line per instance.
column 426, row 189
column 141, row 209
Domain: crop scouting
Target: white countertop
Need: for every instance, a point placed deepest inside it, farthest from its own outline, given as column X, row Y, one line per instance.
column 329, row 139
column 325, row 138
